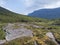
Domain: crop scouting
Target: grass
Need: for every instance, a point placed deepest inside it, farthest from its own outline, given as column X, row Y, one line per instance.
column 40, row 33
column 20, row 41
column 16, row 26
column 2, row 33
column 7, row 16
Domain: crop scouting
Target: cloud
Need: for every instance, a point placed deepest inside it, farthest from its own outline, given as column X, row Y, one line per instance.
column 38, row 4
column 2, row 2
column 42, row 3
column 28, row 6
column 55, row 5
column 28, row 3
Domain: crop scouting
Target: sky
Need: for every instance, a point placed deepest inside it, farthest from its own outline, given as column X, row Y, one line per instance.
column 28, row 6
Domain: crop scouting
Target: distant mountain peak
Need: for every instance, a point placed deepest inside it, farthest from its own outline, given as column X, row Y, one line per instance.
column 46, row 13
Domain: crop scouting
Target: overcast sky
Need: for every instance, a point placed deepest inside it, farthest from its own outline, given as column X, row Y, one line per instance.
column 28, row 6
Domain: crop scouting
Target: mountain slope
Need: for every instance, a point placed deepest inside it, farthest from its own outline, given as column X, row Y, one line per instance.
column 46, row 13
column 8, row 16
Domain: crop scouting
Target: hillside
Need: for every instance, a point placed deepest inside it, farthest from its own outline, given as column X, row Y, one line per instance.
column 46, row 13
column 36, row 31
column 9, row 16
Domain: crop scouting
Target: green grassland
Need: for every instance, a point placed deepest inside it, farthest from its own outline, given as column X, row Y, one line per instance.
column 39, row 34
column 2, row 33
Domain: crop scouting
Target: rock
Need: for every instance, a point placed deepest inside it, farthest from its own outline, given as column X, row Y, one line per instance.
column 50, row 35
column 2, row 41
column 12, row 33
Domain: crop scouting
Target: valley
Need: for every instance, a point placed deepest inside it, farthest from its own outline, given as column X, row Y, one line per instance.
column 18, row 29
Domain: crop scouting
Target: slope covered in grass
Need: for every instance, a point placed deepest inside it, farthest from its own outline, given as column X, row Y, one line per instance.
column 38, row 26
column 8, row 16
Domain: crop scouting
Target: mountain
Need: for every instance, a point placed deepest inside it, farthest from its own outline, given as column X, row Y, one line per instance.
column 9, row 16
column 46, row 13
column 44, row 32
